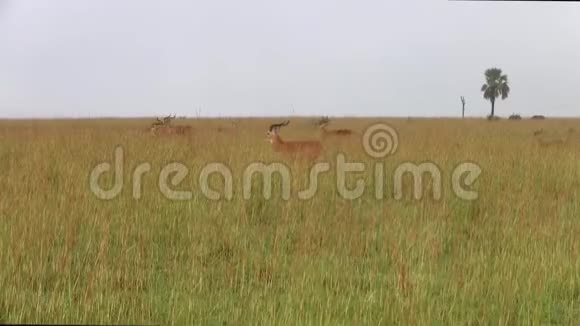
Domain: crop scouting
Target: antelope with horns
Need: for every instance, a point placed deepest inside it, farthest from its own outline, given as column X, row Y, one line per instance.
column 164, row 127
column 309, row 149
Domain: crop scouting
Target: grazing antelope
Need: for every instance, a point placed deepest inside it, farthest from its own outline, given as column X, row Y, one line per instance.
column 309, row 149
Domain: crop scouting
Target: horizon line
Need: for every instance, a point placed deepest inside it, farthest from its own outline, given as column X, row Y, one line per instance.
column 273, row 117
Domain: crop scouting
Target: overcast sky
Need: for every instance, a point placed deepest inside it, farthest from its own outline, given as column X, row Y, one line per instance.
column 75, row 58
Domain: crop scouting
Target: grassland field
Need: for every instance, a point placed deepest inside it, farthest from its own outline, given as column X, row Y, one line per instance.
column 511, row 257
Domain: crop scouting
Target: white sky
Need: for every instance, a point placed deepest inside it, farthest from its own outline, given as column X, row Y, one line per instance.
column 75, row 58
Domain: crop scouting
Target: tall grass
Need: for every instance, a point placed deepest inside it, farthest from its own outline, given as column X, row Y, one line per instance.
column 510, row 257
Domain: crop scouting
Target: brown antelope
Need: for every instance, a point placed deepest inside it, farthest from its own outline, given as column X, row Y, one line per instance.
column 164, row 127
column 334, row 133
column 309, row 149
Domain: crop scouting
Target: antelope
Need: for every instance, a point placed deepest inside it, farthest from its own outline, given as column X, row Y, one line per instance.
column 336, row 132
column 164, row 127
column 309, row 149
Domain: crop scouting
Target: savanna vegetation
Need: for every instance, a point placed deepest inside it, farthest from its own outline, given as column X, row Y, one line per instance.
column 510, row 257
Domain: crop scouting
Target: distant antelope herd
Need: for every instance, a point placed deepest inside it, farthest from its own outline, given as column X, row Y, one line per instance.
column 309, row 149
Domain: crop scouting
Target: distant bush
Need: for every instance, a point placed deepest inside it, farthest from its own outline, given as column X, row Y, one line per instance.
column 493, row 118
column 515, row 117
column 538, row 117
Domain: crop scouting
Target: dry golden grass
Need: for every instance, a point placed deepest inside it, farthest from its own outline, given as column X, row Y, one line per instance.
column 510, row 257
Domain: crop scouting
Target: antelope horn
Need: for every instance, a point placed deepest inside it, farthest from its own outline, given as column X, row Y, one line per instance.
column 278, row 125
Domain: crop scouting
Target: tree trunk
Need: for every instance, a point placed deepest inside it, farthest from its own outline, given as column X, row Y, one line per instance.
column 492, row 107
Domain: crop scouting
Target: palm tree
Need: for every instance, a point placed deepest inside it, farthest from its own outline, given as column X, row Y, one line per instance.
column 496, row 85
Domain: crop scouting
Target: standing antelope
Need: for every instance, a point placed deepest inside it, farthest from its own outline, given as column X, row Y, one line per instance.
column 164, row 127
column 336, row 132
column 309, row 149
